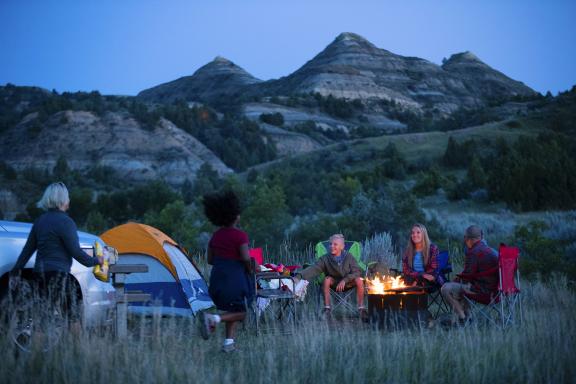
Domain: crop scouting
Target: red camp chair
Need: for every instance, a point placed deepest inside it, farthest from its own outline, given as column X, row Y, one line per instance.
column 256, row 254
column 501, row 307
column 509, row 288
column 272, row 306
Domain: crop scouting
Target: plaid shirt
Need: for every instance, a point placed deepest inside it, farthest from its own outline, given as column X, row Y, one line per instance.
column 478, row 259
column 430, row 268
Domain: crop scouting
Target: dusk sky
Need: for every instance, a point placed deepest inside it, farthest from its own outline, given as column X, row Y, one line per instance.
column 125, row 46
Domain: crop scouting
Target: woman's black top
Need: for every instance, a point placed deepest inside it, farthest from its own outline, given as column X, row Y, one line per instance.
column 54, row 236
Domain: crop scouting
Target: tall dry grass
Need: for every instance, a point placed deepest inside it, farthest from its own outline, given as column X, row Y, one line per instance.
column 169, row 350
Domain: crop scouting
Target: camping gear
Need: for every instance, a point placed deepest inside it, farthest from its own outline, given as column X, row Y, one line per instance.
column 275, row 298
column 341, row 299
column 502, row 307
column 101, row 272
column 399, row 308
column 174, row 282
column 437, row 305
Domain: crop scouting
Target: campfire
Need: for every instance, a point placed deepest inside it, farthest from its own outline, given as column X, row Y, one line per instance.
column 392, row 303
column 385, row 285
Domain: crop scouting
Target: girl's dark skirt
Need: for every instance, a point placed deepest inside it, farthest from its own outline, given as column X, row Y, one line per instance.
column 231, row 287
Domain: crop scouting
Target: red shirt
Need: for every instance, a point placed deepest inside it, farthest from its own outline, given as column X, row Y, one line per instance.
column 226, row 242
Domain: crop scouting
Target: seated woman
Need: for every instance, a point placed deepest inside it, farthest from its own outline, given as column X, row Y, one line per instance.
column 420, row 259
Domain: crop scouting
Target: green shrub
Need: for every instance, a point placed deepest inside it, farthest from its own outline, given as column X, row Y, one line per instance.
column 542, row 256
column 276, row 119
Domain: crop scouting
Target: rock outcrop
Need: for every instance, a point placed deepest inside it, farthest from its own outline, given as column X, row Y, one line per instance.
column 114, row 140
column 353, row 68
column 289, row 143
column 219, row 78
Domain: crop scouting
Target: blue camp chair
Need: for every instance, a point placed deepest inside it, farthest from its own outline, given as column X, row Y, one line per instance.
column 436, row 303
column 341, row 299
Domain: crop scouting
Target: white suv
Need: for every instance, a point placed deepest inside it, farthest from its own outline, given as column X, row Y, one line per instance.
column 97, row 298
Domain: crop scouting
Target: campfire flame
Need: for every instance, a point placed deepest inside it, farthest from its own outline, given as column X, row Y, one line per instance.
column 381, row 285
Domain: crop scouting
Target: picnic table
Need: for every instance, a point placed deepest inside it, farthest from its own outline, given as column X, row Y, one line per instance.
column 119, row 274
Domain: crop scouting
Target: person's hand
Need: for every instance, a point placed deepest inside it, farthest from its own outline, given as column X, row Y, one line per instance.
column 467, row 288
column 100, row 260
column 428, row 277
column 13, row 282
column 340, row 286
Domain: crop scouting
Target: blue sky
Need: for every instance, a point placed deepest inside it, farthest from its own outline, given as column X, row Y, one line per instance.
column 125, row 46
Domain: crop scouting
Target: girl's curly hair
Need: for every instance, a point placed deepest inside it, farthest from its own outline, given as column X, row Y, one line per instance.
column 222, row 208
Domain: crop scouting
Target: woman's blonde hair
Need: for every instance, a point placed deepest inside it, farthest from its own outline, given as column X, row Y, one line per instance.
column 55, row 196
column 411, row 250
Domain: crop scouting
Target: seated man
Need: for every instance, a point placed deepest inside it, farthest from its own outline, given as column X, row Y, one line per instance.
column 342, row 273
column 478, row 258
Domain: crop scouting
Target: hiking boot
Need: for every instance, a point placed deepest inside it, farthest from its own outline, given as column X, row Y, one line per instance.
column 327, row 313
column 229, row 348
column 363, row 314
column 204, row 325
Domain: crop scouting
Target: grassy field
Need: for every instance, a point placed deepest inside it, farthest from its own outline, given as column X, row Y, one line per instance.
column 420, row 146
column 165, row 350
column 344, row 350
column 162, row 350
column 431, row 145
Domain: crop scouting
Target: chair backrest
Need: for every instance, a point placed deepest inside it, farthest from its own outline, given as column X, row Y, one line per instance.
column 353, row 247
column 508, row 265
column 444, row 264
column 257, row 255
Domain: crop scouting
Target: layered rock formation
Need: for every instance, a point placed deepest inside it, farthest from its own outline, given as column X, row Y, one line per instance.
column 219, row 78
column 115, row 140
column 353, row 68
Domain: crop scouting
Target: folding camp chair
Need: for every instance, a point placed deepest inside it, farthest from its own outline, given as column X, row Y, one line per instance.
column 501, row 307
column 436, row 303
column 275, row 302
column 341, row 299
column 509, row 287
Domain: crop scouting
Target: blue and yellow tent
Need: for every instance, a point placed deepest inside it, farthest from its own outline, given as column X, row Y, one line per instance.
column 175, row 284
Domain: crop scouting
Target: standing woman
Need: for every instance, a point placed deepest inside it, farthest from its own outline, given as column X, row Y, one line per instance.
column 420, row 259
column 54, row 236
column 231, row 285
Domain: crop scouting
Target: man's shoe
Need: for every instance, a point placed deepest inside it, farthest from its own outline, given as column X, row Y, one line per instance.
column 229, row 348
column 327, row 313
column 363, row 313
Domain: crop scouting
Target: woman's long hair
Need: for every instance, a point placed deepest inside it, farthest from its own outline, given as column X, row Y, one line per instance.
column 411, row 249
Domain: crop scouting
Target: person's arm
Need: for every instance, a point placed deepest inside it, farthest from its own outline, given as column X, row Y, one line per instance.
column 470, row 264
column 470, row 267
column 406, row 269
column 355, row 270
column 69, row 236
column 245, row 255
column 26, row 253
column 210, row 255
column 314, row 270
column 431, row 273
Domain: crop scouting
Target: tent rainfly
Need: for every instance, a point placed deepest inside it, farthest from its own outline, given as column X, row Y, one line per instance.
column 173, row 280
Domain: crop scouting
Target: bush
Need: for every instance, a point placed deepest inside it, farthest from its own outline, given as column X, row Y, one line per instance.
column 276, row 119
column 542, row 256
